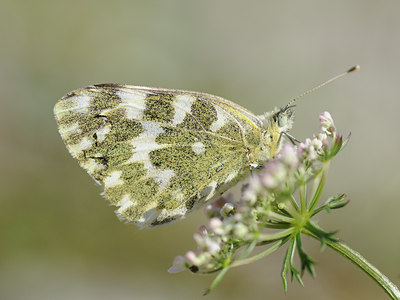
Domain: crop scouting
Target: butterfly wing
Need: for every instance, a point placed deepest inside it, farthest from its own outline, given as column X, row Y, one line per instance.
column 158, row 153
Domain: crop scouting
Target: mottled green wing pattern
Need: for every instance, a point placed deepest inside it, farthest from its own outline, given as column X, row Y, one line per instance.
column 158, row 153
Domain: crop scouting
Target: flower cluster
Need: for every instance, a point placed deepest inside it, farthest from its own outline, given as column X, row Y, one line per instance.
column 267, row 212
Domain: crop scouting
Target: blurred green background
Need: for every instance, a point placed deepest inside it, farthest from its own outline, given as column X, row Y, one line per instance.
column 60, row 239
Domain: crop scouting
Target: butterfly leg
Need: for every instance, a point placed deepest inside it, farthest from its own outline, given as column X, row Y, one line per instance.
column 291, row 138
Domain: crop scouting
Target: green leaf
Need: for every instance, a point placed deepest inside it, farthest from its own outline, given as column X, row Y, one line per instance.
column 288, row 265
column 306, row 261
column 320, row 234
column 335, row 202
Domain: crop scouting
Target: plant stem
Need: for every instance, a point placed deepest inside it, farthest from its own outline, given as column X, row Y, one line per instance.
column 263, row 237
column 355, row 257
column 259, row 255
column 303, row 198
column 280, row 217
column 318, row 191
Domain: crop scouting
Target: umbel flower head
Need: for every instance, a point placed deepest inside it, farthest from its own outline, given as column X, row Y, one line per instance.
column 268, row 213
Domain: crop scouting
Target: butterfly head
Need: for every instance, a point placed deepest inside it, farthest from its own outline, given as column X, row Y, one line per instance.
column 284, row 117
column 275, row 123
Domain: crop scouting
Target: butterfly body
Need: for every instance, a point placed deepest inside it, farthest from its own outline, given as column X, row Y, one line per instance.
column 160, row 153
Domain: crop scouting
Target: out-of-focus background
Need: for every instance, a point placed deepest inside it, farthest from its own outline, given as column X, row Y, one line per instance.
column 60, row 239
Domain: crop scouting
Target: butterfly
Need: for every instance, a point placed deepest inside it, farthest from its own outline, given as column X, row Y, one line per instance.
column 161, row 153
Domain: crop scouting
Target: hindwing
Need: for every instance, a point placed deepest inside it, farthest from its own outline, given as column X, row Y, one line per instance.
column 158, row 153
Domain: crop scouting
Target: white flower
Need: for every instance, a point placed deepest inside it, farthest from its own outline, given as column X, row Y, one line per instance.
column 192, row 258
column 327, row 125
column 216, row 226
column 274, row 174
column 306, row 151
column 288, row 155
column 178, row 265
column 240, row 230
column 206, row 243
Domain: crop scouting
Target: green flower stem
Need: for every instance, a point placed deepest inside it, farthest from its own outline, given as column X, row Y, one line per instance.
column 303, row 198
column 291, row 207
column 280, row 217
column 247, row 250
column 216, row 281
column 318, row 191
column 362, row 263
column 259, row 255
column 293, row 202
column 262, row 237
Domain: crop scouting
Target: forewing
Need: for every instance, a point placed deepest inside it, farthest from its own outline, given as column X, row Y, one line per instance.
column 158, row 153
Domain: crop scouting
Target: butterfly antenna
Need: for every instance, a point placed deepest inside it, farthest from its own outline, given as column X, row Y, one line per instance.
column 353, row 69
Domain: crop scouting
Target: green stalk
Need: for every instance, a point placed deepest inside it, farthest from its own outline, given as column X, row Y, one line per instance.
column 263, row 237
column 303, row 198
column 280, row 217
column 320, row 187
column 259, row 255
column 293, row 202
column 356, row 258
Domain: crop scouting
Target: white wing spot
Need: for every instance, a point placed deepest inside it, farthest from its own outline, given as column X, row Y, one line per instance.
column 231, row 176
column 84, row 144
column 77, row 103
column 124, row 203
column 198, row 148
column 113, row 179
column 209, row 191
column 68, row 130
column 163, row 177
column 92, row 165
column 102, row 132
column 133, row 102
column 151, row 128
column 183, row 105
column 143, row 145
column 178, row 212
column 148, row 217
column 178, row 195
column 220, row 121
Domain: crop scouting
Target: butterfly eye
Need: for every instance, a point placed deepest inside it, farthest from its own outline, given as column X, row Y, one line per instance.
column 284, row 116
column 282, row 119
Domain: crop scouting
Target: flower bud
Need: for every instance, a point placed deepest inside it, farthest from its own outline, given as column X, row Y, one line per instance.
column 327, row 125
